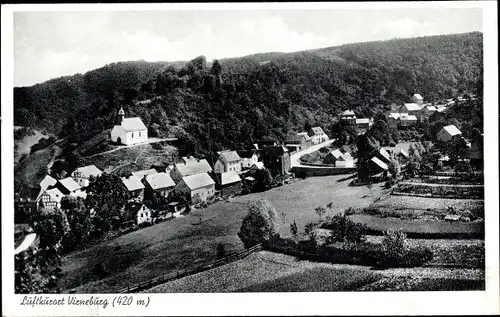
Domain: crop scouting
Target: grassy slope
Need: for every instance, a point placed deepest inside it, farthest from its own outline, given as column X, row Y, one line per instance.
column 179, row 243
column 34, row 166
column 23, row 146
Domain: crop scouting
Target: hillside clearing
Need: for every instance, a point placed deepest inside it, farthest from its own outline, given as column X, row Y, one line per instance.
column 23, row 146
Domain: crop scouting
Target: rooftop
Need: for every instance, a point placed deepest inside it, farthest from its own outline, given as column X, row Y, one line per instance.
column 229, row 178
column 195, row 167
column 55, row 194
column 452, row 130
column 412, row 106
column 132, row 183
column 87, row 171
column 140, row 174
column 133, row 124
column 198, row 180
column 418, row 96
column 381, row 164
column 70, row 184
column 230, row 156
column 160, row 180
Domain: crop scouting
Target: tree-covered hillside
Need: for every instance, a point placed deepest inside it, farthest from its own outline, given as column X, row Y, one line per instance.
column 239, row 100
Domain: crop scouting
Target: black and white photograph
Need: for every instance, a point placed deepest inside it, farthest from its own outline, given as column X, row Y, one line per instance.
column 249, row 151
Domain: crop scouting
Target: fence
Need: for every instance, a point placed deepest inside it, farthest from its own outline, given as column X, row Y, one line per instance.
column 176, row 275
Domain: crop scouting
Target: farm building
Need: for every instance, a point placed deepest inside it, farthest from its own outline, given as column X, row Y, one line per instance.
column 377, row 166
column 429, row 111
column 248, row 158
column 68, row 186
column 188, row 168
column 383, row 155
column 332, row 157
column 447, row 133
column 393, row 120
column 418, row 99
column 348, row 117
column 306, row 137
column 298, row 142
column 228, row 161
column 83, row 174
column 412, row 109
column 407, row 120
column 51, row 198
column 228, row 183
column 197, row 187
column 129, row 130
column 134, row 187
column 136, row 214
column 317, row 135
column 277, row 160
column 143, row 173
column 157, row 184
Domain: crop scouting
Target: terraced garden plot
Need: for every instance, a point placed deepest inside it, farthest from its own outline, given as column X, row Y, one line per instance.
column 392, row 202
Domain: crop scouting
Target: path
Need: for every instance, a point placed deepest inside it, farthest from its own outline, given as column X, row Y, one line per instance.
column 149, row 141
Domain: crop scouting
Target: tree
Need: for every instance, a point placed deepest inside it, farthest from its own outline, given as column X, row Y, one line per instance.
column 220, row 252
column 260, row 224
column 107, row 196
column 216, row 68
column 394, row 168
column 51, row 225
column 320, row 210
column 79, row 223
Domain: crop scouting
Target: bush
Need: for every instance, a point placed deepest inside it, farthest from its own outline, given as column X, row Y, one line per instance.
column 390, row 182
column 344, row 229
column 396, row 251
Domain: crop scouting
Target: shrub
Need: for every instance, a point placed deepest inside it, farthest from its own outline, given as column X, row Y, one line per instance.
column 344, row 229
column 260, row 224
column 220, row 251
column 390, row 182
column 396, row 251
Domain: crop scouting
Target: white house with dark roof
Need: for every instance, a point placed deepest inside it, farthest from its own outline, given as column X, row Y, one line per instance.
column 228, row 161
column 197, row 187
column 129, row 130
column 134, row 187
column 447, row 133
column 317, row 135
column 418, row 99
column 189, row 168
column 159, row 183
column 82, row 174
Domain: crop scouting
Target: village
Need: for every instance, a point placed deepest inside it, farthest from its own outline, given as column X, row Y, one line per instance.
column 188, row 184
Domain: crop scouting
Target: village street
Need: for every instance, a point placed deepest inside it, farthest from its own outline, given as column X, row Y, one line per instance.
column 294, row 157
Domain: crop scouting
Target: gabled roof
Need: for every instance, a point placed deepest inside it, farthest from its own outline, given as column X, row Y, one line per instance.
column 140, row 174
column 257, row 165
column 408, row 118
column 317, row 130
column 348, row 113
column 347, row 156
column 404, row 153
column 133, row 124
column 336, row 153
column 412, row 107
column 87, row 171
column 70, row 184
column 160, row 180
column 47, row 181
column 79, row 193
column 305, row 135
column 230, row 156
column 132, row 183
column 381, row 164
column 229, row 178
column 198, row 180
column 192, row 168
column 363, row 121
column 187, row 159
column 431, row 108
column 25, row 243
column 418, row 96
column 452, row 217
column 55, row 194
column 452, row 130
column 394, row 115
column 384, row 153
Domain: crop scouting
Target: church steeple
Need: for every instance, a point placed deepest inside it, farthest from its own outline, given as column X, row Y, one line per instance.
column 121, row 115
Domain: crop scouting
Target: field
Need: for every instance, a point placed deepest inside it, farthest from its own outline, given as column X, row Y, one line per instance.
column 180, row 243
column 271, row 272
column 422, row 228
column 421, row 203
column 132, row 158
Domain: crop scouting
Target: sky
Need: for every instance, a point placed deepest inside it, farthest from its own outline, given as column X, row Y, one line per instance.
column 53, row 44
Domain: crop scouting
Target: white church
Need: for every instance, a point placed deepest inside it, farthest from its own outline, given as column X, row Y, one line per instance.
column 129, row 130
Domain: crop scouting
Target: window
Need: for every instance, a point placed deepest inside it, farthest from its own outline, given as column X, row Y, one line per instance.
column 132, row 135
column 139, row 134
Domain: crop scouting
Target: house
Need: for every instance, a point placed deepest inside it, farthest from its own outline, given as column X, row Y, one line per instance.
column 332, row 157
column 447, row 133
column 129, row 130
column 51, row 198
column 407, row 120
column 429, row 111
column 248, row 158
column 297, row 142
column 277, row 160
column 228, row 161
column 197, row 187
column 393, row 120
column 157, row 184
column 257, row 166
column 47, row 182
column 188, row 168
column 306, row 137
column 363, row 123
column 175, row 208
column 402, row 156
column 26, row 201
column 83, row 174
column 377, row 166
column 135, row 213
column 348, row 117
column 134, row 187
column 348, row 159
column 317, row 135
column 441, row 108
column 383, row 155
column 143, row 173
column 418, row 99
column 228, row 183
column 68, row 186
column 412, row 109
column 25, row 242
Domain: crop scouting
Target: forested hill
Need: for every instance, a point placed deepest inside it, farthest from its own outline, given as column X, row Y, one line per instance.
column 239, row 100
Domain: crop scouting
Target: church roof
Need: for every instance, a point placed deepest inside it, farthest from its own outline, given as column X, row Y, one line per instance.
column 133, row 124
